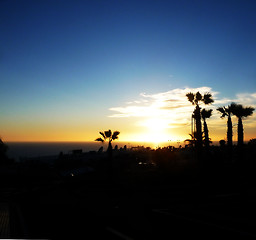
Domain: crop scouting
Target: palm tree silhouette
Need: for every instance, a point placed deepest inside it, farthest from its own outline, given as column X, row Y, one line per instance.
column 227, row 112
column 241, row 112
column 108, row 136
column 191, row 141
column 195, row 99
column 206, row 114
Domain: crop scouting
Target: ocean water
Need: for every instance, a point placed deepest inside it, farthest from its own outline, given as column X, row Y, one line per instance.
column 40, row 149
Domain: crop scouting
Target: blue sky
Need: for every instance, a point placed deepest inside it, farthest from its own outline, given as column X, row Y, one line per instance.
column 67, row 63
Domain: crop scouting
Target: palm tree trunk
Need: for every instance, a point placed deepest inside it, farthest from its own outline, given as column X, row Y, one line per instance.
column 229, row 132
column 240, row 132
column 192, row 130
column 110, row 149
column 198, row 135
column 198, row 127
column 110, row 163
column 230, row 138
column 206, row 135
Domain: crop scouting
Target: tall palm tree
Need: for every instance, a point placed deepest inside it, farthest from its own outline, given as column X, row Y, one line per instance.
column 227, row 112
column 241, row 112
column 108, row 136
column 196, row 99
column 206, row 114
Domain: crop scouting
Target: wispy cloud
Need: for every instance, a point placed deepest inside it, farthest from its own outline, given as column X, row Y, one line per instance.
column 164, row 104
column 174, row 110
column 246, row 98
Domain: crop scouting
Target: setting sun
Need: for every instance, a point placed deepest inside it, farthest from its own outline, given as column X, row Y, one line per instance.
column 156, row 130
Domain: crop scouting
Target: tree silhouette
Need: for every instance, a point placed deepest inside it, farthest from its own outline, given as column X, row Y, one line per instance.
column 108, row 136
column 191, row 141
column 3, row 151
column 227, row 112
column 241, row 112
column 195, row 99
column 206, row 114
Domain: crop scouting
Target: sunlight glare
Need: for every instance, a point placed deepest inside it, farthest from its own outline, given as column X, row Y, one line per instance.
column 156, row 130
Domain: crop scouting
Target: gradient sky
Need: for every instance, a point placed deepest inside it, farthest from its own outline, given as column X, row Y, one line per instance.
column 69, row 69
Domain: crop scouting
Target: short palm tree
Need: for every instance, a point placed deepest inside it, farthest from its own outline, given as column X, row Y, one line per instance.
column 196, row 99
column 206, row 114
column 227, row 112
column 241, row 112
column 192, row 141
column 108, row 136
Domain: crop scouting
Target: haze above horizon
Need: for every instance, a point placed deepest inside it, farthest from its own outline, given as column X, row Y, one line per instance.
column 69, row 69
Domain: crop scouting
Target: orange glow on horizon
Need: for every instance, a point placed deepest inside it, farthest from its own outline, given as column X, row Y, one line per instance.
column 154, row 135
column 154, row 130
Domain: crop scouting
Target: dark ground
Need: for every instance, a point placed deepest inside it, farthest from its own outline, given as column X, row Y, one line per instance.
column 142, row 201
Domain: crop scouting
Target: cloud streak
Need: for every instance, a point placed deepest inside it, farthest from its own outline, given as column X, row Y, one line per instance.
column 162, row 104
column 174, row 109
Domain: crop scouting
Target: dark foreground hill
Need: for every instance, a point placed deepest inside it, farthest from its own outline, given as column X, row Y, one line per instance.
column 137, row 194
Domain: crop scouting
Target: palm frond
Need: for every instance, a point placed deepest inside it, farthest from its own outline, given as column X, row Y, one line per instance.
column 223, row 111
column 248, row 111
column 190, row 97
column 240, row 111
column 115, row 135
column 206, row 113
column 237, row 109
column 208, row 98
column 99, row 140
column 198, row 96
column 103, row 135
column 192, row 135
column 108, row 133
column 233, row 105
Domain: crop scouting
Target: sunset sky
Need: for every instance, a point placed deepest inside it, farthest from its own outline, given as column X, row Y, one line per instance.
column 69, row 69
